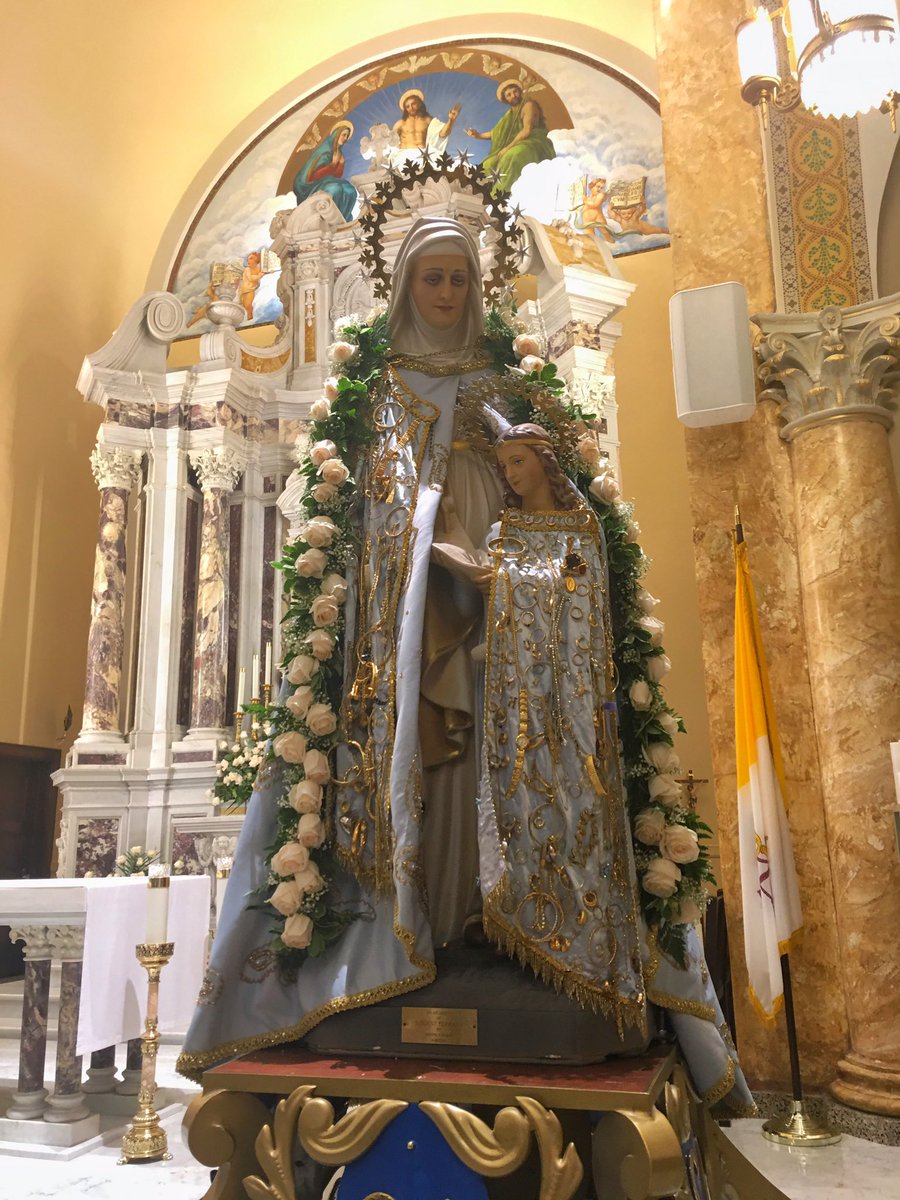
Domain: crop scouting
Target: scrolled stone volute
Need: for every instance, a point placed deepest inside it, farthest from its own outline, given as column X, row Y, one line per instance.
column 833, row 365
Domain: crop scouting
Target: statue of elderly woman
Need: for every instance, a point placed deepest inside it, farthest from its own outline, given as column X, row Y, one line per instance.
column 447, row 748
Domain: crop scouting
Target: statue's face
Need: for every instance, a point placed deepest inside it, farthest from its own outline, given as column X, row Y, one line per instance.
column 440, row 288
column 521, row 467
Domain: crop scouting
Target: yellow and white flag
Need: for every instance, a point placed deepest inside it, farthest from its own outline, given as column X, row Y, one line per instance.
column 771, row 900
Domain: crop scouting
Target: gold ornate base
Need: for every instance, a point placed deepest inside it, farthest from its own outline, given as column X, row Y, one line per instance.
column 799, row 1129
column 145, row 1141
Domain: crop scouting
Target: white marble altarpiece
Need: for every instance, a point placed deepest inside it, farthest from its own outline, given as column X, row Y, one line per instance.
column 194, row 467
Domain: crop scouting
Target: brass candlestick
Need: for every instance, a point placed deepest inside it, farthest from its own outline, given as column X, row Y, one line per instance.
column 254, row 722
column 146, row 1140
column 238, row 724
column 267, row 694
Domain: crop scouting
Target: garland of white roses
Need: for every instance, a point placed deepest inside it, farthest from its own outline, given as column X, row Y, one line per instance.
column 670, row 855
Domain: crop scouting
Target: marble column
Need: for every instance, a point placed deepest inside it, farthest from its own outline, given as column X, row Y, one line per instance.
column 30, row 1094
column 719, row 233
column 834, row 383
column 101, row 1076
column 116, row 470
column 131, row 1076
column 67, row 1102
column 218, row 470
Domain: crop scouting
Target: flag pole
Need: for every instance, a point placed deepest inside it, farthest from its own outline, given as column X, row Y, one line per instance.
column 799, row 1127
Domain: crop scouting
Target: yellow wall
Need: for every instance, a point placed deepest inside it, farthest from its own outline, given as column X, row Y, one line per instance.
column 654, row 475
column 110, row 111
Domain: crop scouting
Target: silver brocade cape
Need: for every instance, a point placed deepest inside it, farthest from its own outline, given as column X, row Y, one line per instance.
column 557, row 872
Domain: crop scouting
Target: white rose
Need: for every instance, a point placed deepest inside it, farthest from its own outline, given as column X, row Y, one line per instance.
column 645, row 602
column 632, row 531
column 662, row 758
column 286, row 897
column 290, row 746
column 320, row 410
column 311, row 563
column 331, row 388
column 297, row 932
column 667, row 723
column 680, row 844
column 322, row 451
column 604, row 487
column 334, row 471
column 589, row 450
column 323, row 493
column 321, row 643
column 321, row 720
column 324, row 610
column 341, row 352
column 290, row 858
column 335, row 585
column 661, row 878
column 649, row 825
column 688, row 913
column 316, row 767
column 532, row 362
column 526, row 344
column 319, row 531
column 640, row 695
column 310, row 830
column 121, row 860
column 302, row 669
column 309, row 879
column 305, row 797
column 654, row 627
column 298, row 703
column 665, row 790
column 657, row 665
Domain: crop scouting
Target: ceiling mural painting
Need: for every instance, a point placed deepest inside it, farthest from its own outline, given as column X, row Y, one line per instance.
column 578, row 147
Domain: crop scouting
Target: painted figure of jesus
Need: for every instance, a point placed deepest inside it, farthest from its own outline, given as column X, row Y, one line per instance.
column 418, row 130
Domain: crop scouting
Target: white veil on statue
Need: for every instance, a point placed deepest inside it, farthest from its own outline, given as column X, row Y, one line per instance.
column 410, row 334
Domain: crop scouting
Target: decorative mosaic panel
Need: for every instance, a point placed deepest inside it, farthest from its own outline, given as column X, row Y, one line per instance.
column 820, row 241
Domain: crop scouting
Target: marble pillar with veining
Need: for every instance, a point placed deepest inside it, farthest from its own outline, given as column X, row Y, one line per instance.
column 218, row 470
column 131, row 1075
column 101, row 1076
column 722, row 233
column 116, row 470
column 834, row 386
column 30, row 1095
column 67, row 1101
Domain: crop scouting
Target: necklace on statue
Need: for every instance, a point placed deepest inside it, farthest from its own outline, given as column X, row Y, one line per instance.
column 423, row 364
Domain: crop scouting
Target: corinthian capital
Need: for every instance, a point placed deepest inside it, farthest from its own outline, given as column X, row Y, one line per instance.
column 218, row 468
column 830, row 366
column 116, row 466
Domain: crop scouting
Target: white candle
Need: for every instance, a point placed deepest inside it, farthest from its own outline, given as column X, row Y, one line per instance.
column 269, row 663
column 157, row 908
column 242, row 683
column 254, row 677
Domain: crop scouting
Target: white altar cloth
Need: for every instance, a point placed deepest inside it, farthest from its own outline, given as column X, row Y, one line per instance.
column 113, row 913
column 113, row 982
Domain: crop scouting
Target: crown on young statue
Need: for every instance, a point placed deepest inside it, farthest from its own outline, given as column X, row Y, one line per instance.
column 491, row 212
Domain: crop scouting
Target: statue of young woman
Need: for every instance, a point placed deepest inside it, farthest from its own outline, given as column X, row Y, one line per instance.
column 556, row 867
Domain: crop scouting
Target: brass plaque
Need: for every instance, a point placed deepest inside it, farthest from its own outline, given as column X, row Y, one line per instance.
column 440, row 1026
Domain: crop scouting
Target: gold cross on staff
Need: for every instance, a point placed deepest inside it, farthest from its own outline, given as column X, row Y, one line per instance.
column 690, row 782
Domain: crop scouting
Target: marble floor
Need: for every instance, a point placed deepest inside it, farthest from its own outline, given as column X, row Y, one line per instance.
column 852, row 1170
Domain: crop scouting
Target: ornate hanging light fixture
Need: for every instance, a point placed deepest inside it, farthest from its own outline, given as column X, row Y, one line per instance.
column 839, row 61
